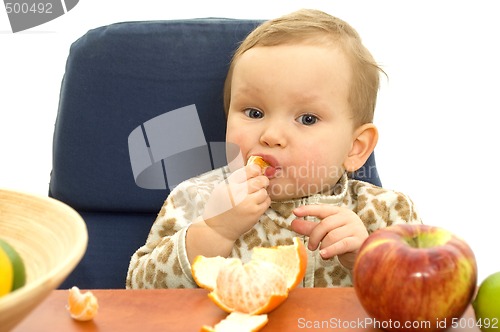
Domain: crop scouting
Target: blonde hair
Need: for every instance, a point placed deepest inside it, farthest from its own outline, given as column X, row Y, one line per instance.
column 314, row 26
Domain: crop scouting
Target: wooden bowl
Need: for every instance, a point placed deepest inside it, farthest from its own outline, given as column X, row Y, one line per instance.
column 50, row 237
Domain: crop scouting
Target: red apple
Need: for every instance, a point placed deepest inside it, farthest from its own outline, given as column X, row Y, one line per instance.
column 414, row 277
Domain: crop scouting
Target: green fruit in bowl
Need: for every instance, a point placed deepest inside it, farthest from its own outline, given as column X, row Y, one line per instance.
column 487, row 303
column 12, row 270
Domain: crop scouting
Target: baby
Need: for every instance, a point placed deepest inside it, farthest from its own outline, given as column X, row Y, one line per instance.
column 300, row 93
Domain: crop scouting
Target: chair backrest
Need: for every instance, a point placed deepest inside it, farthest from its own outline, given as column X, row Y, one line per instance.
column 117, row 78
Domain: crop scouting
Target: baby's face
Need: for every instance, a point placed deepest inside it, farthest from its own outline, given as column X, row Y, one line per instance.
column 289, row 104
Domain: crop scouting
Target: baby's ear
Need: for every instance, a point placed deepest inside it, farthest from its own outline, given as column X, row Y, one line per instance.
column 364, row 142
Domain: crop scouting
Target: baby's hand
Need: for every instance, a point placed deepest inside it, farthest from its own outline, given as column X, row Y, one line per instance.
column 236, row 205
column 340, row 231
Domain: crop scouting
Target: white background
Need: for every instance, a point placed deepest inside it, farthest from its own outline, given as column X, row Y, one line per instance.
column 437, row 112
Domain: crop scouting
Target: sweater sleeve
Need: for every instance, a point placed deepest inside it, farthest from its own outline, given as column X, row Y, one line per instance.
column 379, row 208
column 162, row 261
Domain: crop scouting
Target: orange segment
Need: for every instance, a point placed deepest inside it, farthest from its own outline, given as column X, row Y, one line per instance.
column 82, row 306
column 239, row 322
column 256, row 287
column 258, row 161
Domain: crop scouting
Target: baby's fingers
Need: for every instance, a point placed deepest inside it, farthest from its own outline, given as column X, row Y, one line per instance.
column 303, row 227
column 316, row 231
column 257, row 183
column 344, row 245
column 240, row 191
column 244, row 174
column 320, row 211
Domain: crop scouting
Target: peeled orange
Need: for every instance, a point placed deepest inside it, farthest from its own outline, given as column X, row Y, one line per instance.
column 82, row 306
column 239, row 322
column 256, row 287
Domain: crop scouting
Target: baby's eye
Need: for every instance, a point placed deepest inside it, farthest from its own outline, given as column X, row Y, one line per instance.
column 307, row 119
column 254, row 113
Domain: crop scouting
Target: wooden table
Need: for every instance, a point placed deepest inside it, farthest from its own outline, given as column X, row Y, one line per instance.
column 311, row 309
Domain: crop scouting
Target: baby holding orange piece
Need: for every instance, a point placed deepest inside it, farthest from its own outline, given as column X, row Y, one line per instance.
column 300, row 94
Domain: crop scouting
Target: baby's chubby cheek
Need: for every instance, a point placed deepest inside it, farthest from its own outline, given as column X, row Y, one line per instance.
column 311, row 170
column 300, row 180
column 236, row 141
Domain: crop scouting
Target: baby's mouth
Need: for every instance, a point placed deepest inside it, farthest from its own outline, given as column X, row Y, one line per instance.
column 271, row 171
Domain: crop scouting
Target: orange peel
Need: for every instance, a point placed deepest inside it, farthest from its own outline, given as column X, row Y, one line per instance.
column 238, row 321
column 292, row 258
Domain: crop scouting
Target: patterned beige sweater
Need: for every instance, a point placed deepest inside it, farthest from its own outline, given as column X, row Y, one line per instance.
column 163, row 262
